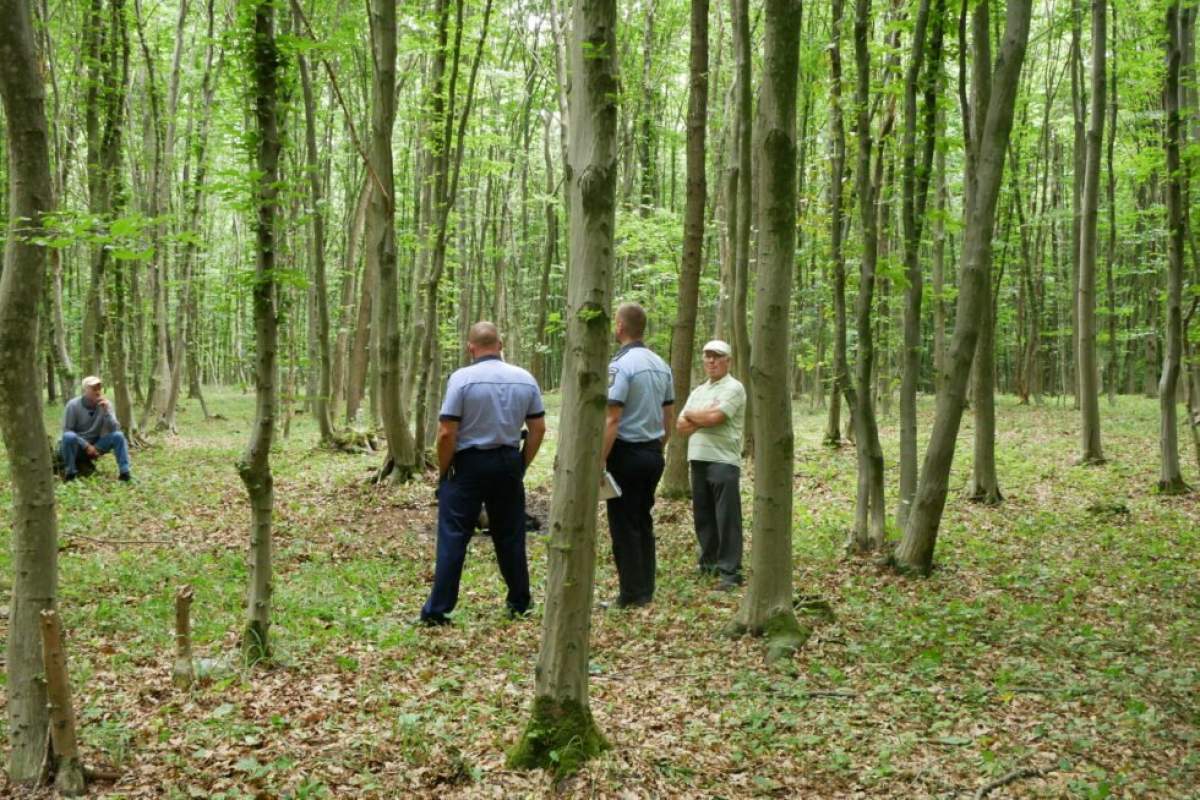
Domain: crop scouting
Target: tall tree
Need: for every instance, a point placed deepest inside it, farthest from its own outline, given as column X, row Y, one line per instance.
column 316, row 215
column 869, row 515
column 34, row 518
column 255, row 464
column 403, row 457
column 1089, row 391
column 1170, row 479
column 675, row 477
column 766, row 608
column 915, row 192
column 561, row 732
column 842, row 384
column 738, row 203
column 915, row 551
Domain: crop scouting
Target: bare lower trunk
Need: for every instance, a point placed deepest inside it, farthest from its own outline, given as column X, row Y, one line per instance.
column 837, row 165
column 561, row 732
column 1089, row 389
column 741, row 243
column 1170, row 480
column 675, row 476
column 34, row 533
column 766, row 608
column 915, row 551
column 255, row 464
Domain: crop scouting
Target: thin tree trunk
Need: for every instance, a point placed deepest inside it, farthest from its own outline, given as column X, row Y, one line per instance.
column 317, row 254
column 741, row 242
column 1170, row 477
column 34, row 533
column 675, row 476
column 1111, row 254
column 561, row 732
column 255, row 464
column 403, row 457
column 915, row 193
column 766, row 608
column 842, row 384
column 1089, row 392
column 915, row 551
column 868, row 531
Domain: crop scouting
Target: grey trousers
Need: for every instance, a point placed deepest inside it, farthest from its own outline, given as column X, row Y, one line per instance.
column 717, row 509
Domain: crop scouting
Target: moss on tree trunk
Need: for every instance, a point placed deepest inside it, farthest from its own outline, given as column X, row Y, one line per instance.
column 560, row 737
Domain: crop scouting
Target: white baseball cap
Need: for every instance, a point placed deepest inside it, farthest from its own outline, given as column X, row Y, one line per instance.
column 92, row 380
column 717, row 346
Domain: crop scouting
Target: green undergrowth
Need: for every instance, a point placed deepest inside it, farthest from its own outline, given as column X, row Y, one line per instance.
column 1057, row 632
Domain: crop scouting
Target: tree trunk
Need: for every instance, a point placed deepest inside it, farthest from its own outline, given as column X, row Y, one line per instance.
column 675, row 476
column 403, row 458
column 741, row 241
column 561, row 732
column 1170, row 480
column 1111, row 254
column 185, row 306
column 317, row 254
column 766, row 608
column 34, row 537
column 916, row 191
column 255, row 464
column 868, row 531
column 915, row 551
column 837, row 221
column 1089, row 392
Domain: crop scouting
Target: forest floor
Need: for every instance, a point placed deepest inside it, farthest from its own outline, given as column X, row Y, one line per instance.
column 1055, row 645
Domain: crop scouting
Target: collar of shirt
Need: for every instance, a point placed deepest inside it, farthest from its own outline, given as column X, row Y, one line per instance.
column 719, row 380
column 488, row 357
column 626, row 348
column 86, row 404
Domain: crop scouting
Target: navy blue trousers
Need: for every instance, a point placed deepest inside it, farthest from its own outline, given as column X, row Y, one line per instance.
column 637, row 468
column 489, row 479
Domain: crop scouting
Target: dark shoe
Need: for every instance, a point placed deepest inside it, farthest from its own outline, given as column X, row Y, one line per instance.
column 125, row 476
column 706, row 571
column 433, row 621
column 730, row 583
column 70, row 476
column 513, row 614
column 619, row 603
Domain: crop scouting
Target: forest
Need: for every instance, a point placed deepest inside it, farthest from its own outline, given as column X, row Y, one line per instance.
column 950, row 245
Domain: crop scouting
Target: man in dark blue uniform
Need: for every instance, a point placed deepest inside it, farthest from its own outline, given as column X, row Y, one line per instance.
column 481, row 465
column 641, row 414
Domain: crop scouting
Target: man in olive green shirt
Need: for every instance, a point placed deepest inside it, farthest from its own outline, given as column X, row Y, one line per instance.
column 712, row 420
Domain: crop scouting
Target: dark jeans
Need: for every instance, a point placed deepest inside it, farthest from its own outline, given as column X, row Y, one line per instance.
column 636, row 467
column 73, row 446
column 492, row 479
column 717, row 509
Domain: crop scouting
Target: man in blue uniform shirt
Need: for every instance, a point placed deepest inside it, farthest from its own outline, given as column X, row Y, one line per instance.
column 481, row 464
column 641, row 414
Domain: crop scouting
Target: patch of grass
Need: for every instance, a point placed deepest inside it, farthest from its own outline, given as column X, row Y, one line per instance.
column 1058, row 631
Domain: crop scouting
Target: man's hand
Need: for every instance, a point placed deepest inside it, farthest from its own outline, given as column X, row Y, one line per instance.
column 684, row 425
column 102, row 404
column 92, row 451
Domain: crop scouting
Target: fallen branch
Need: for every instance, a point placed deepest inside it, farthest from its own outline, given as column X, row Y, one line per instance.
column 1012, row 777
column 117, row 541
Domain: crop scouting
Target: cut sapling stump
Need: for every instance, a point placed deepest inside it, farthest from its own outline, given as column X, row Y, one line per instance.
column 182, row 673
column 69, row 779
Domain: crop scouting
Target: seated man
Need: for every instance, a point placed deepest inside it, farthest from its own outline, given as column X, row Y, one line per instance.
column 90, row 429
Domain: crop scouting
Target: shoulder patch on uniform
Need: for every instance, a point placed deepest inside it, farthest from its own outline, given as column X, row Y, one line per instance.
column 612, row 375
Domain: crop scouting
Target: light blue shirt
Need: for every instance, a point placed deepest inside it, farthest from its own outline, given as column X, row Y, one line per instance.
column 491, row 401
column 641, row 382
